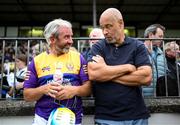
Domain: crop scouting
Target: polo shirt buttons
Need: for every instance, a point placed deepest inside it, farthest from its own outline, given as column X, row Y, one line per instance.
column 116, row 50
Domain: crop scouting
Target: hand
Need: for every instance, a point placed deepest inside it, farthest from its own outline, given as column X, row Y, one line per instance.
column 97, row 68
column 131, row 67
column 98, row 63
column 98, row 59
column 66, row 92
column 27, row 75
column 52, row 89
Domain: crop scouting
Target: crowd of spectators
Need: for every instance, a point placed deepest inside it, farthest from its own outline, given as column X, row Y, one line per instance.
column 35, row 48
column 13, row 59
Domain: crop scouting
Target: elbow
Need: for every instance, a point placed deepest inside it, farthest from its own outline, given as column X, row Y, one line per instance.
column 147, row 81
column 88, row 93
column 91, row 73
column 92, row 76
column 84, row 90
column 27, row 99
column 27, row 96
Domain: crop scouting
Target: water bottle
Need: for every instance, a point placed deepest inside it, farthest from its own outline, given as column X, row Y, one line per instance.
column 58, row 77
column 58, row 74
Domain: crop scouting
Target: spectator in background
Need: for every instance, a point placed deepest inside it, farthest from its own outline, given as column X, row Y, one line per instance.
column 37, row 48
column 95, row 33
column 21, row 64
column 156, row 55
column 172, row 53
column 5, row 85
column 119, row 65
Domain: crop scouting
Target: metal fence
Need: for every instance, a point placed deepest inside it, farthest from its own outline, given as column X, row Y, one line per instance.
column 11, row 47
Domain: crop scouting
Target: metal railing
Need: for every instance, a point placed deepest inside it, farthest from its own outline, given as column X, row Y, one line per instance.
column 82, row 42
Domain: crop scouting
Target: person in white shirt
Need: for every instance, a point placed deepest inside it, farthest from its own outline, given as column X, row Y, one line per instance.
column 21, row 65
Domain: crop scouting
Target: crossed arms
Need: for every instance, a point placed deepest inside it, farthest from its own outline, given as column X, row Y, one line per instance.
column 126, row 74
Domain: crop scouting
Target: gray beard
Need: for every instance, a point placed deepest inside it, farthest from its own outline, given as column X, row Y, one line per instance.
column 60, row 51
column 111, row 42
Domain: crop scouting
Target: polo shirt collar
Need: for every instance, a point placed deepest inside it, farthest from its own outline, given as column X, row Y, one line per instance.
column 126, row 41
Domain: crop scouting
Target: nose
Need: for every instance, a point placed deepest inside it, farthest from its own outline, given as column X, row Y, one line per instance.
column 70, row 41
column 105, row 31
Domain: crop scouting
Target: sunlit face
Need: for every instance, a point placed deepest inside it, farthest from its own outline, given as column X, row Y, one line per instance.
column 159, row 34
column 64, row 41
column 112, row 29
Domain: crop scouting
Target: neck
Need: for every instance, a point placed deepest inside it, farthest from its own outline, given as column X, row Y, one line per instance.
column 54, row 52
column 120, row 41
column 22, row 67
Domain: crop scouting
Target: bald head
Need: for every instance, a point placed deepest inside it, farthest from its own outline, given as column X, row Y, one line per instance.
column 112, row 13
column 112, row 24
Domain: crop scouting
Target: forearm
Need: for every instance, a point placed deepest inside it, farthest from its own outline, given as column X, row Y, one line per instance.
column 69, row 92
column 33, row 94
column 84, row 90
column 142, row 76
column 107, row 72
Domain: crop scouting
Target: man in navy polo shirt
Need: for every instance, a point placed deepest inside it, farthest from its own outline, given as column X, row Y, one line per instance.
column 119, row 65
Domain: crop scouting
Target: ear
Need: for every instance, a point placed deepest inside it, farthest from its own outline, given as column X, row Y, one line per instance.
column 150, row 35
column 120, row 21
column 52, row 39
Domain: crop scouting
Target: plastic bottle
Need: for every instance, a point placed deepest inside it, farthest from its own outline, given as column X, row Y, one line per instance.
column 58, row 74
column 58, row 77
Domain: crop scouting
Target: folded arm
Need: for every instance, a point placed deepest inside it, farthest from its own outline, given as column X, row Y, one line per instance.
column 142, row 76
column 99, row 71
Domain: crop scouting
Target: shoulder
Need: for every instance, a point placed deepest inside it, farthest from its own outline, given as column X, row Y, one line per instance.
column 100, row 42
column 74, row 53
column 37, row 60
column 100, row 45
column 75, row 56
column 134, row 44
column 41, row 55
column 133, row 41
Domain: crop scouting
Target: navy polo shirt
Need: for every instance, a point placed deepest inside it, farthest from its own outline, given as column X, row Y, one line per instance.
column 114, row 101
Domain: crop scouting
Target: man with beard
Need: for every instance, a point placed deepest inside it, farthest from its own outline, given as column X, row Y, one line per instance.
column 119, row 65
column 41, row 88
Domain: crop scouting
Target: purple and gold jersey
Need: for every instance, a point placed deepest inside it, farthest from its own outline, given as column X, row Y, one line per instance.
column 42, row 69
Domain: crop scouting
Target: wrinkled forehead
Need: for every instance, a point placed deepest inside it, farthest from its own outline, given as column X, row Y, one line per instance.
column 65, row 30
